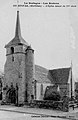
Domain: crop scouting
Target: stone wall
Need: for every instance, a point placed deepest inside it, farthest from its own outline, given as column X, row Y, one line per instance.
column 15, row 73
column 30, row 73
column 20, row 71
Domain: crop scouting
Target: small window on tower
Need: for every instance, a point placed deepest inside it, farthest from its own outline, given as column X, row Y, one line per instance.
column 12, row 58
column 12, row 50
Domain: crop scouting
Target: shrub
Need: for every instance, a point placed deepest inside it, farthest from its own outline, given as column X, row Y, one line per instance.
column 55, row 96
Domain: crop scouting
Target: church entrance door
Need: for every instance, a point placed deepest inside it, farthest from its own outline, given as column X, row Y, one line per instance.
column 11, row 95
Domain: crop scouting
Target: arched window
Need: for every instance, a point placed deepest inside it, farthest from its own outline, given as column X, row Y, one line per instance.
column 41, row 89
column 12, row 50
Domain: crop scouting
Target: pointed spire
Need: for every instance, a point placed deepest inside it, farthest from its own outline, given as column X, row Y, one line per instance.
column 18, row 30
column 18, row 39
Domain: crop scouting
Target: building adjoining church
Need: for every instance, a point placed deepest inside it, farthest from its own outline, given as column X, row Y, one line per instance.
column 23, row 80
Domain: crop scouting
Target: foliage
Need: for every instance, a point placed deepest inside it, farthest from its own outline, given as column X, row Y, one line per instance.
column 53, row 96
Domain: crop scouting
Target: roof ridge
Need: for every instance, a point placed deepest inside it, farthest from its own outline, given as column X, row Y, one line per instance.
column 60, row 68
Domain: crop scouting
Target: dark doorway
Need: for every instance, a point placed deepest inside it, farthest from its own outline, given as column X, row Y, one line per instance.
column 11, row 95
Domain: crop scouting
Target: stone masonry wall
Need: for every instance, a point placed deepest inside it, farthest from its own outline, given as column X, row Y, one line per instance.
column 15, row 73
column 30, row 73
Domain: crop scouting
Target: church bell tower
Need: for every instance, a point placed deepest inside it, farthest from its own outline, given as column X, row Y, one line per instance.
column 19, row 66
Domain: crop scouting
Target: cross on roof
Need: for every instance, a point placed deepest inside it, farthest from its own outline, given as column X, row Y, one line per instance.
column 17, row 5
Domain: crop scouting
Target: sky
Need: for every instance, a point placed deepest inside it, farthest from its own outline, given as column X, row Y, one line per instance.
column 52, row 32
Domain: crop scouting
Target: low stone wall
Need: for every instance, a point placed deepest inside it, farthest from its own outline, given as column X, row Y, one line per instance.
column 49, row 104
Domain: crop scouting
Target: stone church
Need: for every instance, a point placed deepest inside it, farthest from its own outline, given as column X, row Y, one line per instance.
column 23, row 80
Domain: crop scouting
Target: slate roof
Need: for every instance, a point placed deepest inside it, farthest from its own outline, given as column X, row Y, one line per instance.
column 18, row 38
column 55, row 76
column 59, row 76
column 17, row 41
column 41, row 74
